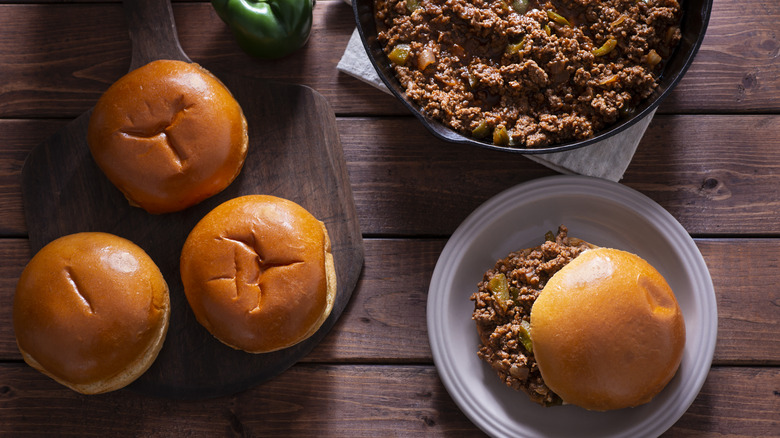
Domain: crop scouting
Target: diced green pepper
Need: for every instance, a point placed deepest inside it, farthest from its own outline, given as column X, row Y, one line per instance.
column 500, row 136
column 511, row 49
column 399, row 54
column 499, row 286
column 525, row 336
column 558, row 18
column 481, row 131
column 607, row 47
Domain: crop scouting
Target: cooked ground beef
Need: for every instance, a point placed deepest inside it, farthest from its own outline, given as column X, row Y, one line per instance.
column 502, row 316
column 528, row 73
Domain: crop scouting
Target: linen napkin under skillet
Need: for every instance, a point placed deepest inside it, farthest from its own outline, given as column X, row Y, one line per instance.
column 607, row 159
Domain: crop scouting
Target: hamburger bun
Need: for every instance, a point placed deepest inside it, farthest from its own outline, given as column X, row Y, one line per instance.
column 258, row 273
column 607, row 331
column 168, row 135
column 91, row 311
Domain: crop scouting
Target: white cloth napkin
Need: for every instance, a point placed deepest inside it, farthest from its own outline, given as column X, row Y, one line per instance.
column 607, row 159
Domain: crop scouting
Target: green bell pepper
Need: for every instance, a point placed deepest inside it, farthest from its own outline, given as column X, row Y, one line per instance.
column 267, row 29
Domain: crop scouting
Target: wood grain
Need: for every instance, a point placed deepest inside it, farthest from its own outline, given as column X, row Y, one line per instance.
column 713, row 179
column 339, row 401
column 385, row 319
column 710, row 158
column 735, row 71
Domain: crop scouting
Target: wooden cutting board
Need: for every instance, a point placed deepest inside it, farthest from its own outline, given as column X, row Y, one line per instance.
column 294, row 152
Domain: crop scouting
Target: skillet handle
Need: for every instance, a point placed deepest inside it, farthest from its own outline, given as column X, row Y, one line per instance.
column 152, row 32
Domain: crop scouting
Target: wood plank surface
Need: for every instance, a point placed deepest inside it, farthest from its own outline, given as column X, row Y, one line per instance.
column 709, row 157
column 737, row 68
column 385, row 320
column 688, row 164
column 339, row 401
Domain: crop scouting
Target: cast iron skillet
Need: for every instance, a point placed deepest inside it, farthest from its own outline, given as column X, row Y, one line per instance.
column 696, row 14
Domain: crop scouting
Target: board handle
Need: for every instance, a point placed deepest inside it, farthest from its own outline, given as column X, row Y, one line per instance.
column 152, row 32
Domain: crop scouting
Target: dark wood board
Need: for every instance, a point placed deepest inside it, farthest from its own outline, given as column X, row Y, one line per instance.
column 294, row 152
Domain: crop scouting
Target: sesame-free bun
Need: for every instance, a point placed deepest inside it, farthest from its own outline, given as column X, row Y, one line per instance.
column 607, row 331
column 258, row 273
column 168, row 135
column 91, row 311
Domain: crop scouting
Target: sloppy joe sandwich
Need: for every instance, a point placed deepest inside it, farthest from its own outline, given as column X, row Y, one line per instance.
column 569, row 322
column 259, row 274
column 91, row 311
column 168, row 135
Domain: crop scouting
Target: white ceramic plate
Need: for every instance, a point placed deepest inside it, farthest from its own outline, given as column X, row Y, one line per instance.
column 605, row 214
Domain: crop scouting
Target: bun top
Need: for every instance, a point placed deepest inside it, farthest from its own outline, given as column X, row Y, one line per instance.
column 168, row 135
column 91, row 311
column 258, row 273
column 607, row 331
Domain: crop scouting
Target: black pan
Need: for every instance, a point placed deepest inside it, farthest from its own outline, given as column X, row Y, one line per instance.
column 696, row 15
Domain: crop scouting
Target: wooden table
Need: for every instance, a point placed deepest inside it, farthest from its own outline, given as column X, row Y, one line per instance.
column 710, row 157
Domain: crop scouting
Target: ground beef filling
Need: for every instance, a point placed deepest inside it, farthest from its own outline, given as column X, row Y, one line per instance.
column 502, row 311
column 528, row 73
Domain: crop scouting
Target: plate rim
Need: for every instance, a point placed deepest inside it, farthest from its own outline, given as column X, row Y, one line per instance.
column 630, row 199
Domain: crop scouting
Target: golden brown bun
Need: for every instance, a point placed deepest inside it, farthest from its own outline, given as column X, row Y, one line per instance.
column 168, row 135
column 607, row 331
column 258, row 273
column 91, row 311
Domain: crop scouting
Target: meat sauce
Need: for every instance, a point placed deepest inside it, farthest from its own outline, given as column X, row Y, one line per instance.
column 528, row 73
column 502, row 311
